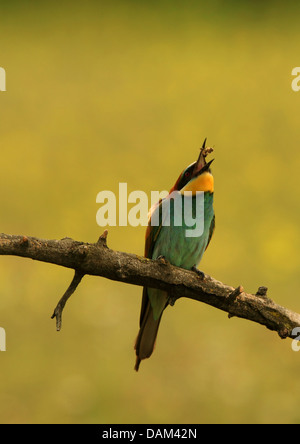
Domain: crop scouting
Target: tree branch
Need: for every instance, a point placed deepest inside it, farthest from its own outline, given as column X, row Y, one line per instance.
column 99, row 260
column 62, row 302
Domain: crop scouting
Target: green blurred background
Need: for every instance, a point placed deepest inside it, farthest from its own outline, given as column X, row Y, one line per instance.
column 105, row 92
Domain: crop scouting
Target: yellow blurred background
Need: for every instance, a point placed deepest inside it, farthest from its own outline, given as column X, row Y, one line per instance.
column 105, row 92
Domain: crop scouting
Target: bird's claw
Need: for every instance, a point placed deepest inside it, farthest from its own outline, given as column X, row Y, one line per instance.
column 162, row 260
column 172, row 300
column 198, row 272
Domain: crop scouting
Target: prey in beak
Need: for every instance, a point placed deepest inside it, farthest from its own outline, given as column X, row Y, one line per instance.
column 201, row 165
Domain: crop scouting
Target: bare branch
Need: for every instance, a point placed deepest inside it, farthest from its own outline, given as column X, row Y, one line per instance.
column 62, row 302
column 99, row 260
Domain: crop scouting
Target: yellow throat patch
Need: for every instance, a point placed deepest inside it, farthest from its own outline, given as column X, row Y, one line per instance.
column 204, row 182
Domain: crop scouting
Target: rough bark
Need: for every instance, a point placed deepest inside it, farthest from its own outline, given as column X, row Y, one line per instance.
column 99, row 260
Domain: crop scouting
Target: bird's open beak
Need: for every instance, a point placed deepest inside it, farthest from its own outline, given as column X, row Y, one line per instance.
column 201, row 165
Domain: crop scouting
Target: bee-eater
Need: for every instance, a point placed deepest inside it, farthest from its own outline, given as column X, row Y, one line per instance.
column 170, row 241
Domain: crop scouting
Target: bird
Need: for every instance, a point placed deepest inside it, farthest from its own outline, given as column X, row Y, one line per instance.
column 170, row 242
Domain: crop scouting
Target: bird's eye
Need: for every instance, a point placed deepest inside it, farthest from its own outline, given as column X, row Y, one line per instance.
column 187, row 174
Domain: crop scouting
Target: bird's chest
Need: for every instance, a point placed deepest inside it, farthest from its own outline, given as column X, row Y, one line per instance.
column 185, row 230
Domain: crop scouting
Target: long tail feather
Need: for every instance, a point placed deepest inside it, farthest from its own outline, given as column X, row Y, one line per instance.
column 145, row 340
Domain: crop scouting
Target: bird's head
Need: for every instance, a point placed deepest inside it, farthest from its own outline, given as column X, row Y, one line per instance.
column 197, row 176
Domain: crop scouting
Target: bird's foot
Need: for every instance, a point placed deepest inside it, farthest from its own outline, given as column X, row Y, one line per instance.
column 198, row 272
column 162, row 260
column 172, row 300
